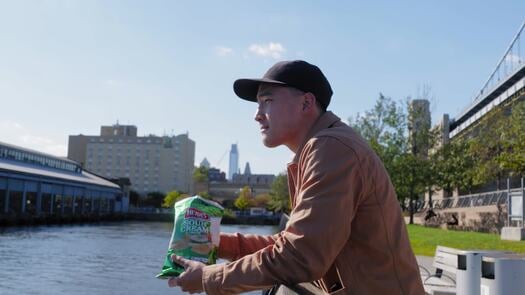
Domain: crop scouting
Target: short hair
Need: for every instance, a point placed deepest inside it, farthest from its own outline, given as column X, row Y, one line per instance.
column 296, row 91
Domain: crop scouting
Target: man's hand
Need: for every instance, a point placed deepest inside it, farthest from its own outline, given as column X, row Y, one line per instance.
column 191, row 279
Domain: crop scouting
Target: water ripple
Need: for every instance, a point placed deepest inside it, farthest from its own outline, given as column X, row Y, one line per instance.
column 107, row 258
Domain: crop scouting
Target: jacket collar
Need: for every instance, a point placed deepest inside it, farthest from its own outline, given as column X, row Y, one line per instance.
column 324, row 121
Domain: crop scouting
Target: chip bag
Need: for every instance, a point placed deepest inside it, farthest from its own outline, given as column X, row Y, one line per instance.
column 195, row 236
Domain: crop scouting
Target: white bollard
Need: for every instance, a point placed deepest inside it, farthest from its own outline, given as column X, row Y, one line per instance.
column 502, row 275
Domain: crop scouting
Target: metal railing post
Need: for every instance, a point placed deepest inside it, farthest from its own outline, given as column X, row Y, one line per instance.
column 522, row 204
column 509, row 203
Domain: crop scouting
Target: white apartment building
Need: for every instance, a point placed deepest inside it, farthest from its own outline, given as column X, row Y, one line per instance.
column 152, row 163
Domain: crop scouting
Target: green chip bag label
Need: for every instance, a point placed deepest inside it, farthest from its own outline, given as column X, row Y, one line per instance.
column 195, row 235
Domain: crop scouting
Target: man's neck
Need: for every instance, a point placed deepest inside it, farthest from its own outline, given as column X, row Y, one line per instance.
column 308, row 125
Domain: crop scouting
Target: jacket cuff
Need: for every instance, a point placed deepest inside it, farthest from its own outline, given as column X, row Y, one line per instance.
column 212, row 276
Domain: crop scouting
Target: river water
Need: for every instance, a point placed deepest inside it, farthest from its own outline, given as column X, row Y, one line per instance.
column 107, row 258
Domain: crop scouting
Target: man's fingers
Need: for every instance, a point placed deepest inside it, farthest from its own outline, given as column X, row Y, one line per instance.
column 179, row 260
column 173, row 282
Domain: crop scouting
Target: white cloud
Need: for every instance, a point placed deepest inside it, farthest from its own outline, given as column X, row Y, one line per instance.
column 14, row 133
column 223, row 51
column 273, row 50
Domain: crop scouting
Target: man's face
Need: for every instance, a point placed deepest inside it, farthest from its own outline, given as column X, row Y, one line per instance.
column 279, row 115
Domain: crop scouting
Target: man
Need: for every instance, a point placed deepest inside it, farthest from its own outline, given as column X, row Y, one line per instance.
column 346, row 232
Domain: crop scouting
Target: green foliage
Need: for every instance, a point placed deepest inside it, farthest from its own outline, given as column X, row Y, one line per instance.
column 493, row 149
column 384, row 127
column 172, row 197
column 512, row 156
column 205, row 195
column 262, row 200
column 497, row 145
column 455, row 166
column 486, row 147
column 279, row 195
column 228, row 213
column 245, row 199
column 200, row 174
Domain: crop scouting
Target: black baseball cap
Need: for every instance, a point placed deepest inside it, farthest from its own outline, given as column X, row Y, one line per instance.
column 297, row 74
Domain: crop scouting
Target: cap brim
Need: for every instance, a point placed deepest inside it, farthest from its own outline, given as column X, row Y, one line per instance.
column 247, row 88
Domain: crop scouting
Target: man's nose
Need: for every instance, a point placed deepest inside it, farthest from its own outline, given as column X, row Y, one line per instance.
column 258, row 115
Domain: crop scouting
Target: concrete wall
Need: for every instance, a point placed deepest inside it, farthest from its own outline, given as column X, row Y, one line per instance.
column 483, row 219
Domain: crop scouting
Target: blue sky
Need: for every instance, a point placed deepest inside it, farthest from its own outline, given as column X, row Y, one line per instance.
column 68, row 67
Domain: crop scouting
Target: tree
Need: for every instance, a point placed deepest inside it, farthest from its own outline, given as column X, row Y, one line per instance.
column 512, row 157
column 400, row 135
column 384, row 127
column 205, row 195
column 245, row 198
column 280, row 198
column 262, row 200
column 486, row 147
column 200, row 174
column 411, row 179
column 173, row 197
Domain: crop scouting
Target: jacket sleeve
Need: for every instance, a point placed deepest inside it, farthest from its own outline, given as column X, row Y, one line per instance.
column 233, row 246
column 319, row 225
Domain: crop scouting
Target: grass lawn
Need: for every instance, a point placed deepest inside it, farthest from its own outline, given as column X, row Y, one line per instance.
column 425, row 239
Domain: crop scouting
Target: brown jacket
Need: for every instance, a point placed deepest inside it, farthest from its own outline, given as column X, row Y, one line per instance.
column 345, row 230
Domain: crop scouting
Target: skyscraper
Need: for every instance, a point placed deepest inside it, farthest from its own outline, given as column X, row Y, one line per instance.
column 247, row 170
column 234, row 161
column 205, row 163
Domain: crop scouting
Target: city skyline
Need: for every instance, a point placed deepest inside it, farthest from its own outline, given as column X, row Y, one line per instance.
column 168, row 67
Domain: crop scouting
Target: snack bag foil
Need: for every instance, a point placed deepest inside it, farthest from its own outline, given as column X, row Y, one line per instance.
column 195, row 234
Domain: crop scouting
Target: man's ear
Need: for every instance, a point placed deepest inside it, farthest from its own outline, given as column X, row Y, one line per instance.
column 308, row 101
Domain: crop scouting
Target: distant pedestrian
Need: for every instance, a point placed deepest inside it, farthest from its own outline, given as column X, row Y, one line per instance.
column 430, row 214
column 346, row 233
